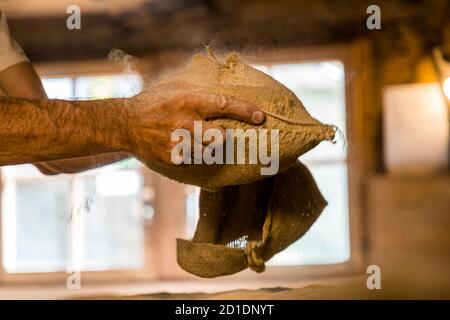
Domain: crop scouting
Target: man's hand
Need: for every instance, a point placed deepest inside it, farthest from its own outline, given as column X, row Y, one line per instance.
column 168, row 107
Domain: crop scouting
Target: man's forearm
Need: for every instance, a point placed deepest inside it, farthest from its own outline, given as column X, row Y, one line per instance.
column 22, row 81
column 43, row 130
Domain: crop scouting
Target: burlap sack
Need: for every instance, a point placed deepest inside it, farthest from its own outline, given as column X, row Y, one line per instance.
column 246, row 217
column 298, row 131
column 246, row 225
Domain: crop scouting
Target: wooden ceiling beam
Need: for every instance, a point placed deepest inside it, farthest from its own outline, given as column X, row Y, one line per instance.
column 231, row 25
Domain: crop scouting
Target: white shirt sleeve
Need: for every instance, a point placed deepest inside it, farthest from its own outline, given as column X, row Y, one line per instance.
column 10, row 51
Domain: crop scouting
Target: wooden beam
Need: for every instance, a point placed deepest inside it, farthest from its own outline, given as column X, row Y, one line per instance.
column 156, row 28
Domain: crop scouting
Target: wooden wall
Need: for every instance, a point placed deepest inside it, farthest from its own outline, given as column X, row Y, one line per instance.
column 409, row 221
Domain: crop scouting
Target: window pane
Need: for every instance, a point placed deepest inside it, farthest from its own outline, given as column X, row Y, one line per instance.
column 35, row 223
column 41, row 234
column 321, row 88
column 192, row 210
column 26, row 171
column 113, row 230
column 328, row 239
column 100, row 87
column 58, row 88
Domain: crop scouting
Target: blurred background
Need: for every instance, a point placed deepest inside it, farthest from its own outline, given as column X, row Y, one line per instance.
column 386, row 87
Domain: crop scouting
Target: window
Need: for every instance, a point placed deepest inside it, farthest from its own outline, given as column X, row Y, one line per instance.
column 321, row 87
column 91, row 221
